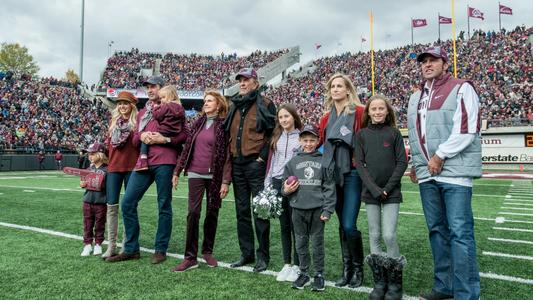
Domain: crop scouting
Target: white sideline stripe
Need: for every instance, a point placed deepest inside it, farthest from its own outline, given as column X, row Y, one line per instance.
column 506, row 278
column 513, row 229
column 510, row 241
column 26, row 177
column 517, row 199
column 28, row 191
column 225, row 200
column 522, row 204
column 516, row 208
column 498, row 254
column 180, row 256
column 514, row 214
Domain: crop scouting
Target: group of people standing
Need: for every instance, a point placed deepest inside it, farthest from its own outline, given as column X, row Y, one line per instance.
column 251, row 144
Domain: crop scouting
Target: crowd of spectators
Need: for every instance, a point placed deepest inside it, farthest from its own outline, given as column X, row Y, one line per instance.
column 499, row 64
column 186, row 71
column 48, row 115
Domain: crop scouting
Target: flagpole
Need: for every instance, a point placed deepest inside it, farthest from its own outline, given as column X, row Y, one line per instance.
column 453, row 41
column 499, row 17
column 439, row 26
column 361, row 48
column 412, row 37
column 468, row 17
column 372, row 48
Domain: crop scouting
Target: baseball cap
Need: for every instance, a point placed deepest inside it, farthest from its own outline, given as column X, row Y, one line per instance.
column 127, row 96
column 437, row 52
column 154, row 80
column 309, row 129
column 95, row 147
column 246, row 72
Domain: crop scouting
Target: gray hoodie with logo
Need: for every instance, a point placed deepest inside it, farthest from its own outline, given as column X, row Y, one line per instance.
column 315, row 191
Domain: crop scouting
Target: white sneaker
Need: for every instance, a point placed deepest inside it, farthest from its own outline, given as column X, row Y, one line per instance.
column 292, row 275
column 282, row 275
column 87, row 250
column 97, row 250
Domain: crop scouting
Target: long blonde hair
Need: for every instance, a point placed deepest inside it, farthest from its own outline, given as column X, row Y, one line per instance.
column 353, row 99
column 171, row 92
column 115, row 115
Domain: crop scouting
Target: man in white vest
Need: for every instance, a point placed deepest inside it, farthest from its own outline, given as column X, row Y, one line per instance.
column 443, row 122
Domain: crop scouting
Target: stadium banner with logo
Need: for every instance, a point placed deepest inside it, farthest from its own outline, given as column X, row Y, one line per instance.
column 502, row 148
column 141, row 93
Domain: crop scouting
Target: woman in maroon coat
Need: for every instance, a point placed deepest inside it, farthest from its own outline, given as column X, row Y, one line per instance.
column 206, row 163
column 122, row 157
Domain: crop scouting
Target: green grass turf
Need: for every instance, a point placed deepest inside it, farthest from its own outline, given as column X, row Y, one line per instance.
column 36, row 265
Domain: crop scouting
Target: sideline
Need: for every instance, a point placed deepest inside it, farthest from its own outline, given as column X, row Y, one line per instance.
column 179, row 256
column 249, row 269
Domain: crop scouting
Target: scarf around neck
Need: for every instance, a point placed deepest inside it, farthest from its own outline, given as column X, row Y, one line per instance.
column 120, row 133
column 266, row 120
column 338, row 144
column 147, row 115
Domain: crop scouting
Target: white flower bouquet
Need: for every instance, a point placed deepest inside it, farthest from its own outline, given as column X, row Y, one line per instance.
column 267, row 204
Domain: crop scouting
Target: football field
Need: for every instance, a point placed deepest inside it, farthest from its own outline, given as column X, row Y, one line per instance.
column 41, row 240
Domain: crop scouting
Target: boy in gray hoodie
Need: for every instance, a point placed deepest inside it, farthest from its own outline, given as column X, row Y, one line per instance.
column 312, row 198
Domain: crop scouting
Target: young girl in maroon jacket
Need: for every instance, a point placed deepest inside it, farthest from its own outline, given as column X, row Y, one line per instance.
column 381, row 162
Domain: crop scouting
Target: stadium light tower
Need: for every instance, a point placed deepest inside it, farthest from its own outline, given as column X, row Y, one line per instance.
column 81, row 42
column 109, row 45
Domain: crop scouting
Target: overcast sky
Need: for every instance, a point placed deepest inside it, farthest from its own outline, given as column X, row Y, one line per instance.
column 51, row 29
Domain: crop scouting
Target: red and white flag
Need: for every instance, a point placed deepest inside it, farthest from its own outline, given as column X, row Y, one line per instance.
column 419, row 22
column 444, row 20
column 504, row 10
column 475, row 13
column 317, row 46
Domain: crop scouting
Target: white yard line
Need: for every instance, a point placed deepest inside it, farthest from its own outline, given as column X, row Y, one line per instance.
column 520, row 204
column 516, row 208
column 506, row 278
column 514, row 214
column 517, row 199
column 179, row 256
column 513, row 229
column 510, row 241
column 498, row 254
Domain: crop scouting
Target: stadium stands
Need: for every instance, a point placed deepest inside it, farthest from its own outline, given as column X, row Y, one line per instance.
column 51, row 114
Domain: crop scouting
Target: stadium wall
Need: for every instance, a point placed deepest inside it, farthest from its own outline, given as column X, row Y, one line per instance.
column 504, row 148
column 29, row 162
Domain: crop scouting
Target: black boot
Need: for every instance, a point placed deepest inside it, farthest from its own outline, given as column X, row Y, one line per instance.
column 394, row 278
column 355, row 245
column 347, row 271
column 376, row 263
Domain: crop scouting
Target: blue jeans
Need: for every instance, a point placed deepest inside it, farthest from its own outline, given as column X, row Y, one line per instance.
column 138, row 184
column 349, row 203
column 450, row 222
column 113, row 185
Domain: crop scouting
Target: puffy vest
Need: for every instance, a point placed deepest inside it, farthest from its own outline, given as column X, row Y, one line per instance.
column 439, row 124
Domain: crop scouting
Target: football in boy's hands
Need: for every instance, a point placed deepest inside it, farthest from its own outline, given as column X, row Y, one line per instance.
column 291, row 180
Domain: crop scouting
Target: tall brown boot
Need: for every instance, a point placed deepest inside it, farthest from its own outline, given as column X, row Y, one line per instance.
column 112, row 226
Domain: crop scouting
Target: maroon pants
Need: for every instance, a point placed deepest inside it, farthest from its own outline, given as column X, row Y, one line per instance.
column 94, row 216
column 197, row 187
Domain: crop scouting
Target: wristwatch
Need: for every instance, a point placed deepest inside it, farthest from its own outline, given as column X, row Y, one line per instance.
column 167, row 139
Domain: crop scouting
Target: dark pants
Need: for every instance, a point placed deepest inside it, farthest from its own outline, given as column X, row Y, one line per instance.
column 94, row 216
column 138, row 185
column 197, row 187
column 308, row 226
column 114, row 182
column 144, row 148
column 349, row 203
column 248, row 180
column 288, row 242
